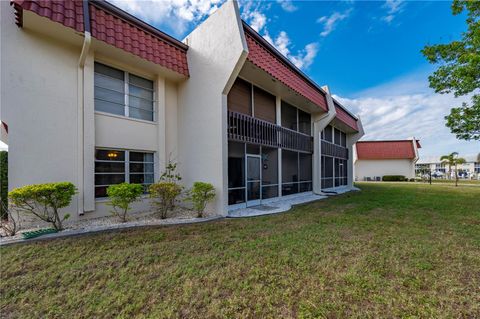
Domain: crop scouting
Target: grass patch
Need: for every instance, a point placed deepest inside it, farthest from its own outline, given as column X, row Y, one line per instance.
column 392, row 250
column 452, row 181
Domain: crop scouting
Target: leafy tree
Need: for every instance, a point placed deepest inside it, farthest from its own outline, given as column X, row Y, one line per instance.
column 200, row 194
column 44, row 201
column 122, row 196
column 452, row 159
column 459, row 72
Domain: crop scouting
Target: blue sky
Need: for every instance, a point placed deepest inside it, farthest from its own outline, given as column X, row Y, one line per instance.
column 368, row 52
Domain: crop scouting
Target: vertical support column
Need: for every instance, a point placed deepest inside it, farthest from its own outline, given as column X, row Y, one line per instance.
column 89, row 135
column 161, row 158
column 80, row 143
column 351, row 140
column 278, row 110
column 317, row 158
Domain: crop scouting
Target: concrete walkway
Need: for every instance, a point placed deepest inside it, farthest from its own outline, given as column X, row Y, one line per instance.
column 274, row 207
column 284, row 204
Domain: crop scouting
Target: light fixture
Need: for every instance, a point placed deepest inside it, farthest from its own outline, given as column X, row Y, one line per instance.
column 112, row 155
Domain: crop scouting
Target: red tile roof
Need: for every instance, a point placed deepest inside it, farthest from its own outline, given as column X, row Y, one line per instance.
column 376, row 150
column 68, row 13
column 115, row 27
column 345, row 117
column 264, row 56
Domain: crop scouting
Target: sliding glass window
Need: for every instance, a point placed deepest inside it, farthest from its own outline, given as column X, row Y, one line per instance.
column 119, row 166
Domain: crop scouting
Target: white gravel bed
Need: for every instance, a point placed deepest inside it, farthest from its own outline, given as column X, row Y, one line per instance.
column 177, row 216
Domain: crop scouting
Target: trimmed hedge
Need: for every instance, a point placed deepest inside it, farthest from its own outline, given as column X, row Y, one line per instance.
column 3, row 183
column 394, row 178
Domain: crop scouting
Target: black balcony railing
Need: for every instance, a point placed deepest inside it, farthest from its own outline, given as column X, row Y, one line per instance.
column 334, row 150
column 244, row 128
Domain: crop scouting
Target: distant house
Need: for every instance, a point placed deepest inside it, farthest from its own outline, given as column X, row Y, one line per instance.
column 374, row 159
column 471, row 168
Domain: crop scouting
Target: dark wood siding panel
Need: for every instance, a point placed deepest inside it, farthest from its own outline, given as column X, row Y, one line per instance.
column 264, row 105
column 240, row 97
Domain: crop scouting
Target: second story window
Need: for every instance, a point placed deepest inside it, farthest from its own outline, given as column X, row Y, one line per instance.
column 296, row 119
column 122, row 93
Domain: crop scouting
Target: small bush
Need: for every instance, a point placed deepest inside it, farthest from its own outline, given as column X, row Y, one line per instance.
column 393, row 178
column 44, row 201
column 164, row 195
column 200, row 194
column 412, row 179
column 10, row 225
column 121, row 196
column 170, row 174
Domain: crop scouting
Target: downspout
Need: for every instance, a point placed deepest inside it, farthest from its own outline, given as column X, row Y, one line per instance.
column 87, row 40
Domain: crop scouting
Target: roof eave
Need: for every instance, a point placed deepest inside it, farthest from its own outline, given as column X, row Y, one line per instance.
column 277, row 53
column 104, row 5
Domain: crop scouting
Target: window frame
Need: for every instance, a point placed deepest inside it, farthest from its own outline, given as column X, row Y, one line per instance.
column 126, row 162
column 126, row 93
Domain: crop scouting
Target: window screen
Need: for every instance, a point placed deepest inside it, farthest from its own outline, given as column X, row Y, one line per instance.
column 239, row 99
column 236, row 173
column 289, row 116
column 304, row 122
column 328, row 134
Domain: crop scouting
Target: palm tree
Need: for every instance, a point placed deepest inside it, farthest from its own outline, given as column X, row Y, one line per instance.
column 452, row 160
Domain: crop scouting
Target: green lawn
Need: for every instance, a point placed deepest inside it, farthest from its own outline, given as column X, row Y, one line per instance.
column 460, row 181
column 393, row 250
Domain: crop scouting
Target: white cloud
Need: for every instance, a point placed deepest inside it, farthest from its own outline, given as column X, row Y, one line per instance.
column 257, row 20
column 331, row 22
column 253, row 13
column 390, row 111
column 176, row 14
column 393, row 7
column 287, row 5
column 302, row 59
column 282, row 42
column 305, row 57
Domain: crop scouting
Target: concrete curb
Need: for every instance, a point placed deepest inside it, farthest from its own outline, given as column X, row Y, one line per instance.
column 109, row 228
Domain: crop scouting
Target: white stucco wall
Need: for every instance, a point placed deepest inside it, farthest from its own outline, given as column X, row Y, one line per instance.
column 38, row 99
column 52, row 135
column 217, row 50
column 372, row 168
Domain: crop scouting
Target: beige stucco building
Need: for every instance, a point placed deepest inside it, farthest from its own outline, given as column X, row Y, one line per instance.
column 94, row 96
column 375, row 159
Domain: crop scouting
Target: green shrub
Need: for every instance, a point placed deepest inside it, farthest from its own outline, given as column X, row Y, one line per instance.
column 170, row 174
column 3, row 184
column 44, row 201
column 121, row 196
column 393, row 178
column 164, row 195
column 200, row 194
column 412, row 180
